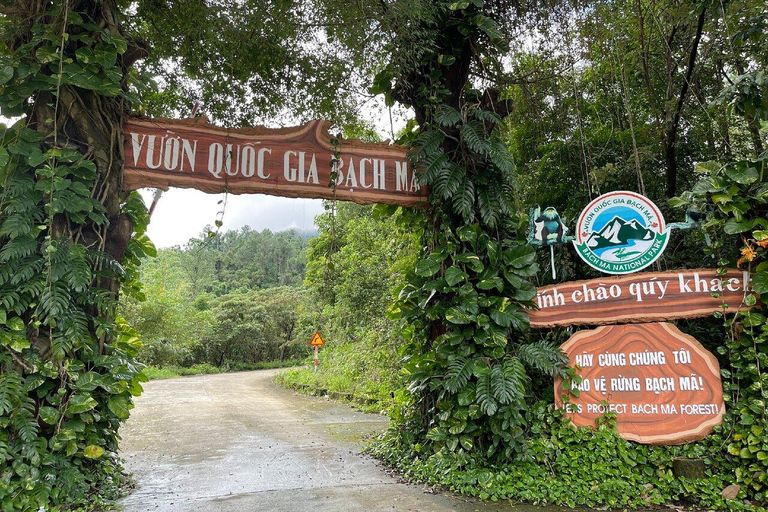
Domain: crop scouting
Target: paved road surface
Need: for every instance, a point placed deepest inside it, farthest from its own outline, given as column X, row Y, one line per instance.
column 236, row 442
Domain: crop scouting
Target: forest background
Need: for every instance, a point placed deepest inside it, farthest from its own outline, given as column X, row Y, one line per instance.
column 557, row 103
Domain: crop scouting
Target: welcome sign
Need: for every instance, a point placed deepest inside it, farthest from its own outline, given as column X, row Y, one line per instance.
column 288, row 162
column 643, row 297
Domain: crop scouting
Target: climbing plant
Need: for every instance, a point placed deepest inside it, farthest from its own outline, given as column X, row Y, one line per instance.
column 468, row 360
column 68, row 240
column 736, row 191
column 739, row 193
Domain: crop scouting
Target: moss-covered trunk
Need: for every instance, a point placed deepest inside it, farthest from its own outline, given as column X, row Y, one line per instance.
column 68, row 362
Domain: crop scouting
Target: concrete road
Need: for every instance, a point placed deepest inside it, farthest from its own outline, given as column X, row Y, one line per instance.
column 237, row 442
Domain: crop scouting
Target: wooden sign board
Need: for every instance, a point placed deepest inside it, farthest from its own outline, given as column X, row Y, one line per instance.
column 288, row 162
column 643, row 297
column 664, row 387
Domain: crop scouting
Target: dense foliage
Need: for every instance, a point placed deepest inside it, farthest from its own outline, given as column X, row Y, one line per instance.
column 246, row 62
column 575, row 468
column 468, row 365
column 354, row 267
column 67, row 241
column 228, row 300
column 641, row 93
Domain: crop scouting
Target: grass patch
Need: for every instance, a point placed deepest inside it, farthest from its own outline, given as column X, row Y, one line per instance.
column 365, row 370
column 172, row 371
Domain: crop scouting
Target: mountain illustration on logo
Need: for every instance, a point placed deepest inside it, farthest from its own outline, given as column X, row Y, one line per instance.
column 618, row 232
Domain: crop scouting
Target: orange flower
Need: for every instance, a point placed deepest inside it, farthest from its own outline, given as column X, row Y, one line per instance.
column 763, row 243
column 747, row 254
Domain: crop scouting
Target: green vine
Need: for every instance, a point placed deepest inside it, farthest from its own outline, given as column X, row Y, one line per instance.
column 468, row 362
column 739, row 192
column 67, row 244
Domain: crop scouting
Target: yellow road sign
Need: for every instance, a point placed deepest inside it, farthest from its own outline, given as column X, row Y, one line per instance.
column 317, row 340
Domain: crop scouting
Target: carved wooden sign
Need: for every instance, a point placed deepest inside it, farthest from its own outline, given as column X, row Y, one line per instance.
column 643, row 297
column 288, row 162
column 663, row 386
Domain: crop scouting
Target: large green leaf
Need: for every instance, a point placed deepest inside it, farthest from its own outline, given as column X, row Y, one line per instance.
column 429, row 266
column 88, row 381
column 520, row 256
column 760, row 282
column 6, row 74
column 458, row 315
column 49, row 415
column 93, row 452
column 491, row 283
column 80, row 402
column 120, row 406
column 743, row 174
column 733, row 226
column 472, row 261
column 15, row 324
column 455, row 275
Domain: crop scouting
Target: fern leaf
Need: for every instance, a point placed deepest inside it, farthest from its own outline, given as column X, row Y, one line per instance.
column 11, row 391
column 16, row 224
column 508, row 381
column 25, row 424
column 428, row 143
column 19, row 247
column 488, row 207
column 445, row 115
column 473, row 135
column 11, row 300
column 486, row 115
column 34, row 286
column 79, row 274
column 543, row 356
column 500, row 157
column 434, row 168
column 9, row 270
column 453, row 182
column 458, row 374
column 26, row 270
column 503, row 390
column 484, row 393
column 464, row 200
column 55, row 302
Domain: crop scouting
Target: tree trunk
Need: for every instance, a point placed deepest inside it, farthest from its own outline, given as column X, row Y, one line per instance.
column 753, row 124
column 68, row 186
column 673, row 118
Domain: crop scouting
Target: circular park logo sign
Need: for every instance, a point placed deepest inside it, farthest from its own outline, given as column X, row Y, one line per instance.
column 620, row 233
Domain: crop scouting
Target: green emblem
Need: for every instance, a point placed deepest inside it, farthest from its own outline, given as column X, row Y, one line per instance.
column 620, row 233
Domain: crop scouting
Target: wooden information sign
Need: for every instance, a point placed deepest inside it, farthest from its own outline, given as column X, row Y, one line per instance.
column 288, row 162
column 644, row 297
column 663, row 386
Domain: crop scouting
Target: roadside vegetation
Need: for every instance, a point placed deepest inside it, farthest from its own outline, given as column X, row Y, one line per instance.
column 224, row 302
column 594, row 112
column 173, row 371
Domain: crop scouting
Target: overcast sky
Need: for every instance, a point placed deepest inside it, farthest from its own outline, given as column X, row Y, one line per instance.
column 181, row 214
